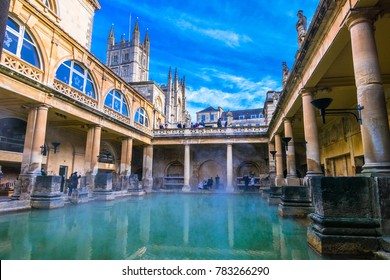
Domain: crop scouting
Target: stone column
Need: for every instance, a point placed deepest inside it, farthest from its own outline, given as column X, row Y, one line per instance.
column 35, row 138
column 96, row 149
column 279, row 180
column 313, row 158
column 32, row 157
column 92, row 149
column 229, row 168
column 271, row 161
column 147, row 169
column 292, row 178
column 186, row 187
column 126, row 156
column 370, row 92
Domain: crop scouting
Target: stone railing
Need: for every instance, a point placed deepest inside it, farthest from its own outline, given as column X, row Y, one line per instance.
column 21, row 66
column 212, row 131
column 116, row 115
column 75, row 94
column 143, row 128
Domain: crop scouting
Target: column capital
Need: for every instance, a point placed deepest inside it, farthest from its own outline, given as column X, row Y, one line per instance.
column 363, row 14
column 307, row 91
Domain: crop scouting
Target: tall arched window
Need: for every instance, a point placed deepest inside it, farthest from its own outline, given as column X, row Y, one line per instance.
column 117, row 101
column 141, row 117
column 20, row 43
column 158, row 104
column 73, row 74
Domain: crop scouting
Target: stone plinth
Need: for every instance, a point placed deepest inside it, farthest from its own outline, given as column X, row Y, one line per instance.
column 295, row 202
column 24, row 186
column 382, row 185
column 103, row 187
column 345, row 221
column 46, row 192
column 274, row 195
column 79, row 195
column 134, row 187
column 265, row 193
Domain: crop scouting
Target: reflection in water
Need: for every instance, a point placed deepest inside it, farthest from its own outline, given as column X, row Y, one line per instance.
column 160, row 226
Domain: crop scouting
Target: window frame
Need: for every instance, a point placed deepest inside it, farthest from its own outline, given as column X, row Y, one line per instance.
column 21, row 39
column 85, row 75
column 122, row 101
column 141, row 113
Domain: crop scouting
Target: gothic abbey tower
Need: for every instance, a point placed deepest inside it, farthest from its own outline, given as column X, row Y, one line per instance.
column 129, row 59
column 175, row 105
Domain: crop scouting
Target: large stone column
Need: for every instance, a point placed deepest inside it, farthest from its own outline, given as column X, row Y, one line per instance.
column 370, row 92
column 292, row 178
column 279, row 180
column 32, row 157
column 147, row 170
column 313, row 158
column 126, row 156
column 271, row 161
column 35, row 138
column 92, row 149
column 186, row 187
column 229, row 168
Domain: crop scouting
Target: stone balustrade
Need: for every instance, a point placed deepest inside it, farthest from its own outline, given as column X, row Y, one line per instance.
column 21, row 66
column 211, row 131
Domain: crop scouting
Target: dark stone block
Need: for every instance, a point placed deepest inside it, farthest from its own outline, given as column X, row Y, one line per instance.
column 103, row 182
column 343, row 196
column 346, row 217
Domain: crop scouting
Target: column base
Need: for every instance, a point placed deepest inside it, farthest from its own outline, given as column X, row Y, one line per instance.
column 147, row 184
column 370, row 168
column 186, row 188
column 280, row 181
column 79, row 195
column 295, row 202
column 46, row 193
column 103, row 195
column 342, row 245
column 274, row 195
column 292, row 181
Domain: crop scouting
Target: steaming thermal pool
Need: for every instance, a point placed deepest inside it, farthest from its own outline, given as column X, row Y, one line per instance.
column 157, row 226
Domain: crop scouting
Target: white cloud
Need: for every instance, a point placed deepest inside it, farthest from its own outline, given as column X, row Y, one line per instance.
column 229, row 38
column 242, row 94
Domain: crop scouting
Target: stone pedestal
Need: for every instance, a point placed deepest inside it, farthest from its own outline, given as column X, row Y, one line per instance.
column 345, row 221
column 293, row 181
column 88, row 181
column 265, row 193
column 382, row 186
column 274, row 195
column 79, row 195
column 103, row 187
column 295, row 202
column 24, row 186
column 134, row 187
column 46, row 192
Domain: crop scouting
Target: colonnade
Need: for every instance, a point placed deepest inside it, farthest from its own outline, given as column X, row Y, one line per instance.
column 375, row 131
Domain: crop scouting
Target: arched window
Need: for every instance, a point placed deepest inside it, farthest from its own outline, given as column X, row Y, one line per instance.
column 141, row 117
column 158, row 104
column 73, row 74
column 117, row 101
column 47, row 4
column 20, row 43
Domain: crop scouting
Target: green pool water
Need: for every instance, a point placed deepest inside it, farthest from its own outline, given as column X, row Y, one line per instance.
column 157, row 226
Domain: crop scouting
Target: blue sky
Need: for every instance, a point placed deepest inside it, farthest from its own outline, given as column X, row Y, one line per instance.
column 231, row 52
